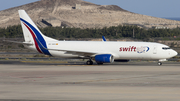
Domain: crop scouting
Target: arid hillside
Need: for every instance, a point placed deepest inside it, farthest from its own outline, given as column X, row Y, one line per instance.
column 80, row 14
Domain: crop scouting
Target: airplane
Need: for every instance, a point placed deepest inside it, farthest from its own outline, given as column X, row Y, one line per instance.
column 99, row 51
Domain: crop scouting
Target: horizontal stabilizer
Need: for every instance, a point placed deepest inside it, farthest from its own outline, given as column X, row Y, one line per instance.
column 24, row 43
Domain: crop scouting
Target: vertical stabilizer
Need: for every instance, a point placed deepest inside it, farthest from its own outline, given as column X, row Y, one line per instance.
column 30, row 30
column 32, row 33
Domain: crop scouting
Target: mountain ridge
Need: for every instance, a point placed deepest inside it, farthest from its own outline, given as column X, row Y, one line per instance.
column 173, row 18
column 79, row 14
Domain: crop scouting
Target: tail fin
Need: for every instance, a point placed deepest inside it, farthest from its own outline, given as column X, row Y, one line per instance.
column 32, row 33
column 30, row 30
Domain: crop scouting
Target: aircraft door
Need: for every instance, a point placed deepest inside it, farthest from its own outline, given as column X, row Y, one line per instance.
column 155, row 50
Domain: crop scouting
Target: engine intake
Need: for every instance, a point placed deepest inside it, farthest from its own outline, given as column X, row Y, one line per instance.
column 104, row 58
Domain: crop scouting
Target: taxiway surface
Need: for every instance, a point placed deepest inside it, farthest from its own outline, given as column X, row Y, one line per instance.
column 116, row 82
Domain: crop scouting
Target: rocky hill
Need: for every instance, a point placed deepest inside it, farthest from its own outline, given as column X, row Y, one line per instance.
column 79, row 13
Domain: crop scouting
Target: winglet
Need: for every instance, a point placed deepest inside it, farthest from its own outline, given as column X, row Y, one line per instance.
column 104, row 39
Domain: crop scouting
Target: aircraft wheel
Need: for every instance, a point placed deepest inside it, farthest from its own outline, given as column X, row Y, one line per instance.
column 89, row 62
column 159, row 63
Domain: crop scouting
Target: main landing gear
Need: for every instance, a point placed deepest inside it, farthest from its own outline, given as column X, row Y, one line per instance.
column 89, row 62
column 159, row 63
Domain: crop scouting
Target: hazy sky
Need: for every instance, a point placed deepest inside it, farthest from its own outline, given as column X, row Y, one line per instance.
column 156, row 8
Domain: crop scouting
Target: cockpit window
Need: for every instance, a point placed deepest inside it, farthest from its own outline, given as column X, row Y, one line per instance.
column 166, row 48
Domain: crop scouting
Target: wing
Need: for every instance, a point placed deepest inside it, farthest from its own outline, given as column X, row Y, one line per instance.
column 73, row 52
column 76, row 52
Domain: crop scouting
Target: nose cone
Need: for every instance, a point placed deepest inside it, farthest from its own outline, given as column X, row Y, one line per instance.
column 174, row 53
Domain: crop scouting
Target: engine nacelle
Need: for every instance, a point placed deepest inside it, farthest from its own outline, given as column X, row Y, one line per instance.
column 104, row 58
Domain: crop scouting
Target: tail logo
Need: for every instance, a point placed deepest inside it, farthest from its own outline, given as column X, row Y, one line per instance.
column 36, row 35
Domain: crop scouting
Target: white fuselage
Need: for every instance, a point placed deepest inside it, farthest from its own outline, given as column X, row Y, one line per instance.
column 120, row 50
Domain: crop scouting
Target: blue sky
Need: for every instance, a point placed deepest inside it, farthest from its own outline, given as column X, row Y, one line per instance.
column 156, row 8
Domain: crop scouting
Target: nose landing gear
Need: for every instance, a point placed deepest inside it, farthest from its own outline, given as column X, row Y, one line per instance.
column 160, row 61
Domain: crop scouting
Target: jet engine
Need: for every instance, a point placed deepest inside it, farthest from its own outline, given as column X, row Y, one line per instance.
column 104, row 58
